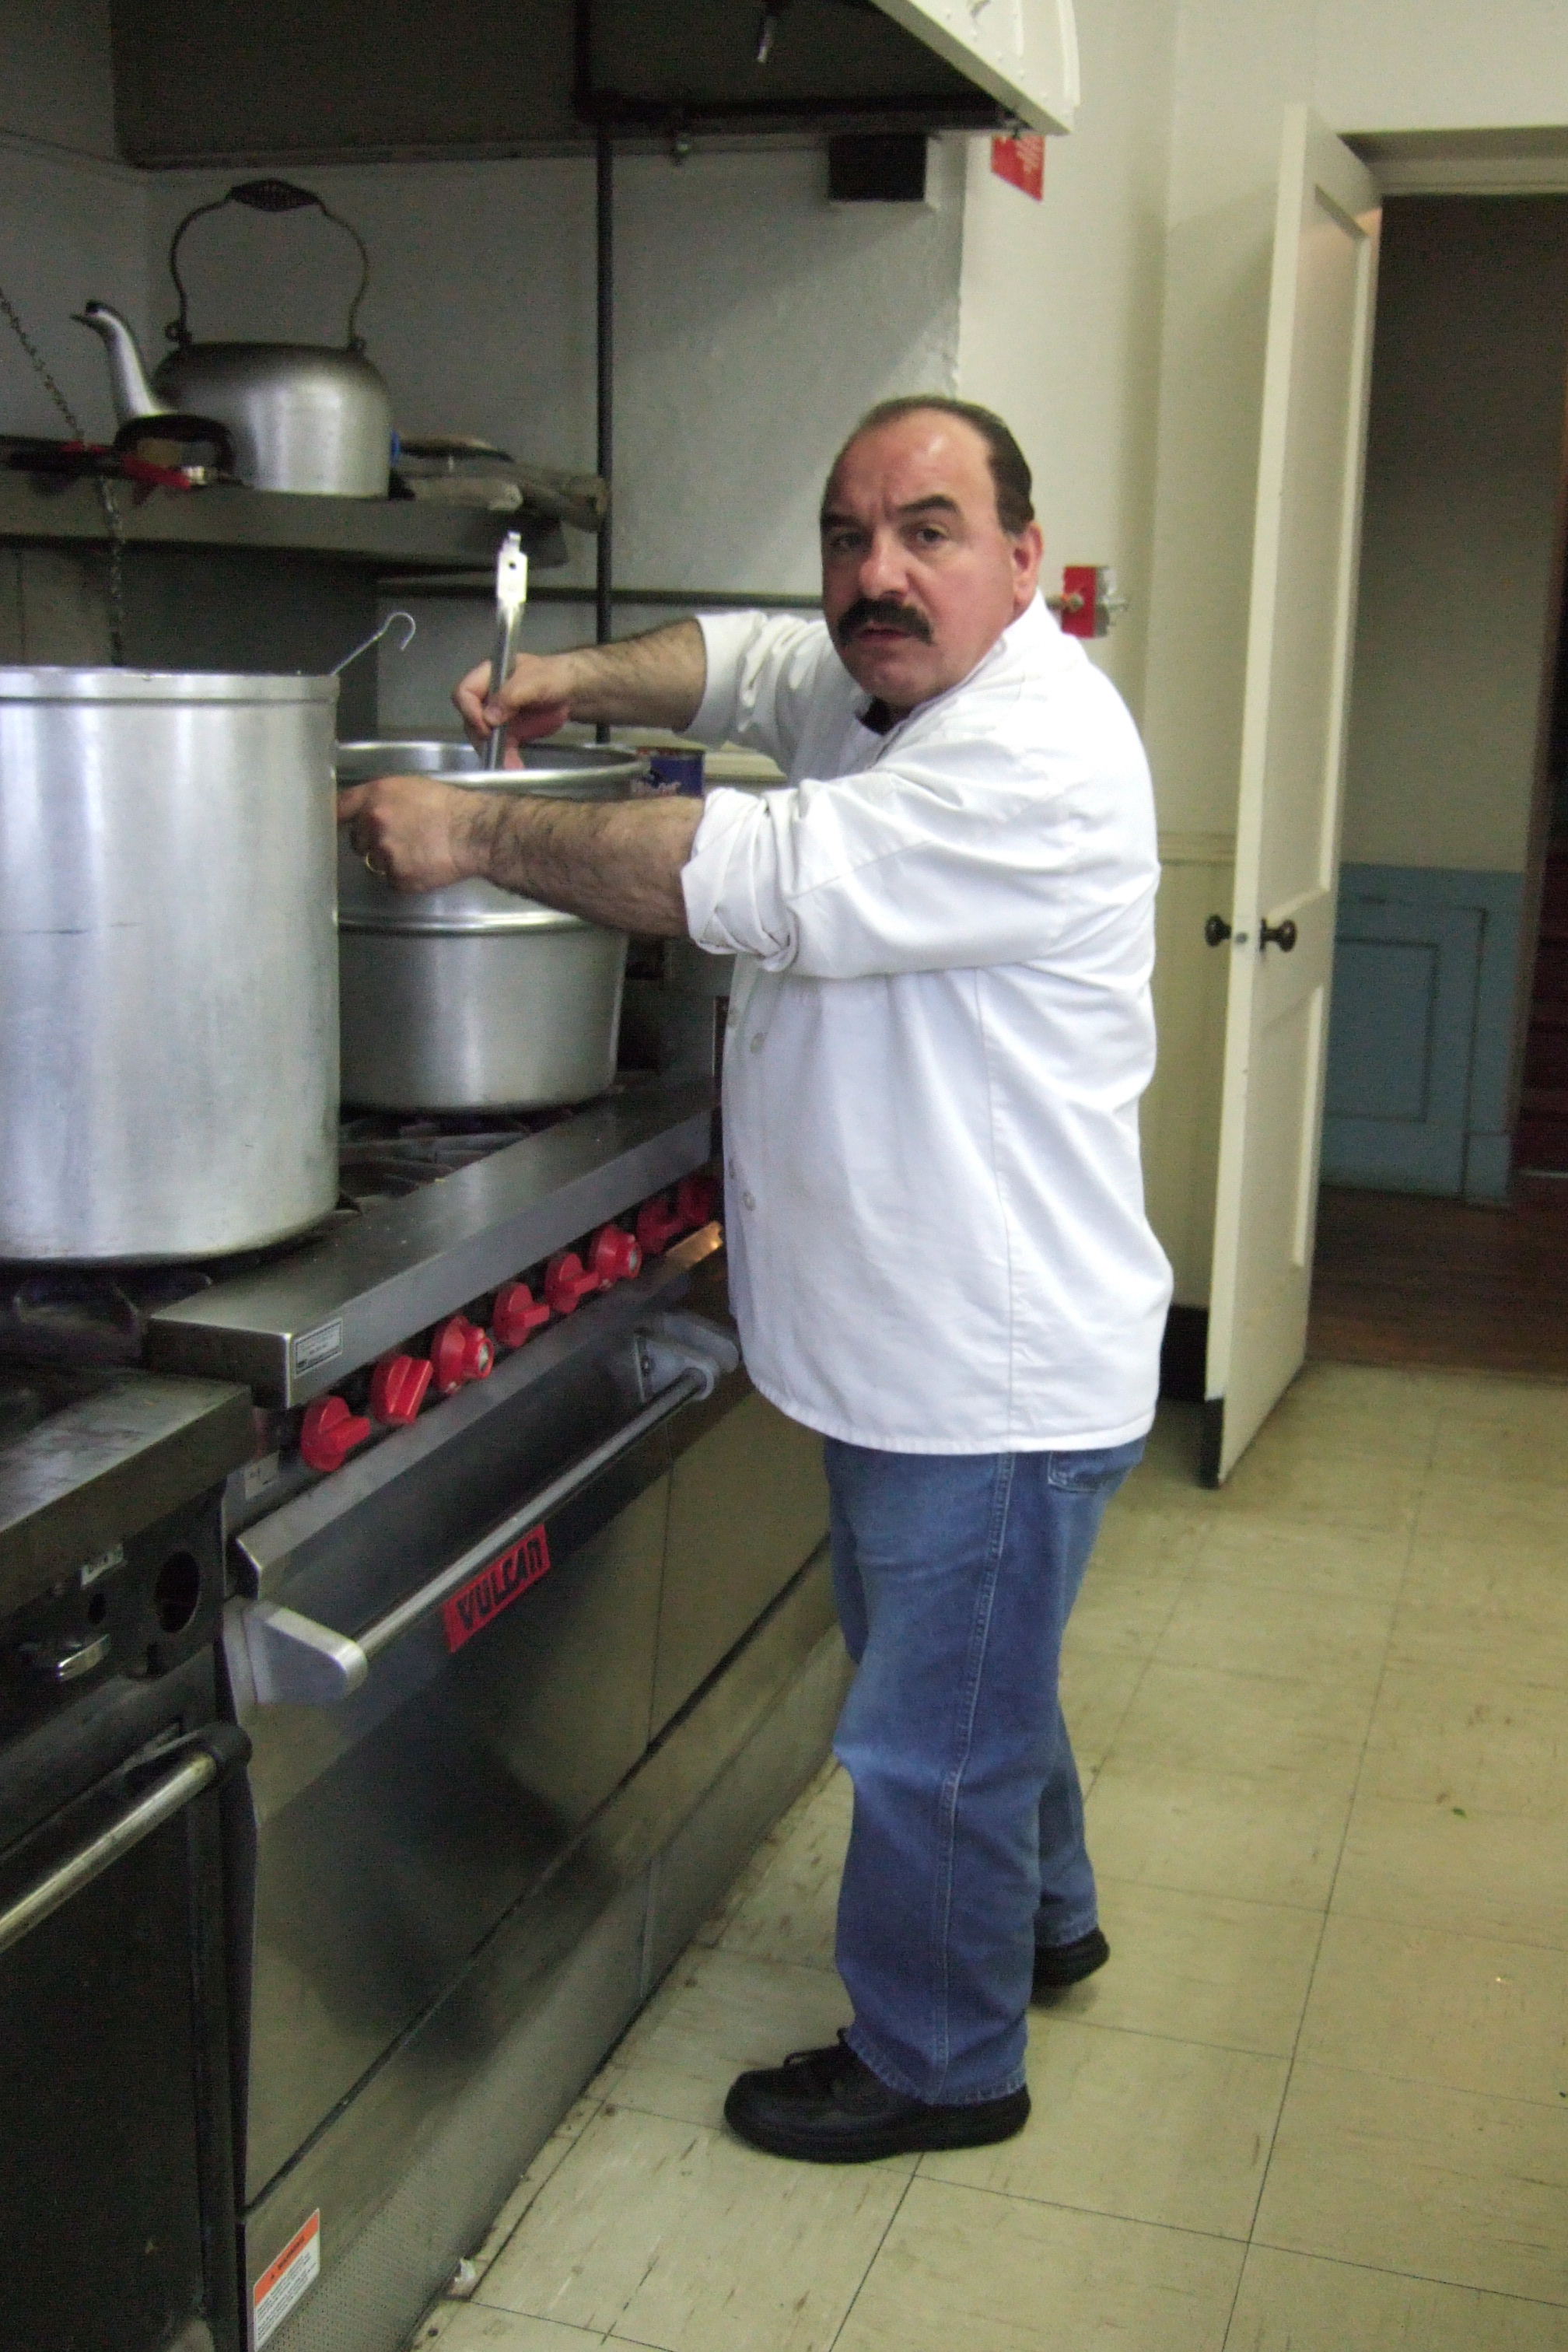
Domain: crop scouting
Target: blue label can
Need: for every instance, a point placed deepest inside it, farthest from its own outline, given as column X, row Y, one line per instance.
column 677, row 770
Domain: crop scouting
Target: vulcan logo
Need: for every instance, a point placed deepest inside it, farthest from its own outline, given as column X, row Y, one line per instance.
column 472, row 1607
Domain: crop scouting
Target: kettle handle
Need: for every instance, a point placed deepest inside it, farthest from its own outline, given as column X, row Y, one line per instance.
column 266, row 196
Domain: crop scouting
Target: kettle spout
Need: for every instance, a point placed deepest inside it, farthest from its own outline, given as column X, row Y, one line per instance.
column 133, row 396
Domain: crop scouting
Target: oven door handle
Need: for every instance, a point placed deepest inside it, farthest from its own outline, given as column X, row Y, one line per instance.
column 297, row 1659
column 202, row 1761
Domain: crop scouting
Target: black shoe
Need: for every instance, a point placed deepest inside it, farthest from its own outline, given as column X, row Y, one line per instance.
column 1056, row 1966
column 826, row 2106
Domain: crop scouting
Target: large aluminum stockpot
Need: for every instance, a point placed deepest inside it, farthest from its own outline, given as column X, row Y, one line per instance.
column 168, row 971
column 469, row 997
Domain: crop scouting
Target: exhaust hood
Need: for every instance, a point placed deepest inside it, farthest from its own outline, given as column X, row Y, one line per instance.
column 931, row 64
column 281, row 81
column 1024, row 52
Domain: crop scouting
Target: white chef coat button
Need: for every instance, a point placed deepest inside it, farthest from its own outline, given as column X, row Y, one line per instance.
column 749, row 1199
column 756, row 1044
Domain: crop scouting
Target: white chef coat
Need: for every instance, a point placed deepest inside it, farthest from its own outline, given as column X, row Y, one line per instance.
column 939, row 1031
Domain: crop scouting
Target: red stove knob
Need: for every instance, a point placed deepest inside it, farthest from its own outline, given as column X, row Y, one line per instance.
column 461, row 1352
column 516, row 1314
column 397, row 1388
column 330, row 1431
column 567, row 1282
column 696, row 1200
column 615, row 1255
column 658, row 1226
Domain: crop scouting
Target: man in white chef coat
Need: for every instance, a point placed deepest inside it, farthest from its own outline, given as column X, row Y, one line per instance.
column 939, row 1032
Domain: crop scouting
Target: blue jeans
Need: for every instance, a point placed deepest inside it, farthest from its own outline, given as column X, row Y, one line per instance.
column 954, row 1574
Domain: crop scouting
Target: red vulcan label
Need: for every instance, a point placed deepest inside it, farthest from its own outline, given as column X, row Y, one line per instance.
column 473, row 1606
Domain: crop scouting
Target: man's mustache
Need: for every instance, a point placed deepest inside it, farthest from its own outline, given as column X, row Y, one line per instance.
column 881, row 612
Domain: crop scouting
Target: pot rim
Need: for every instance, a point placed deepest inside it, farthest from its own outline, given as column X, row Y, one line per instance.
column 529, row 921
column 558, row 771
column 66, row 682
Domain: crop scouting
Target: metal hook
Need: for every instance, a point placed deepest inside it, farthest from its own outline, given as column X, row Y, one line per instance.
column 767, row 27
column 410, row 629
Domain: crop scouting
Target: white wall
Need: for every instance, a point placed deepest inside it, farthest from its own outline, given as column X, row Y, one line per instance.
column 1438, row 65
column 55, row 80
column 1061, row 310
column 1463, row 461
column 1365, row 65
column 71, row 219
column 71, row 229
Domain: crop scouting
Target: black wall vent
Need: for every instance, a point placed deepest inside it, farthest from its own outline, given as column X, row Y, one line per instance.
column 878, row 168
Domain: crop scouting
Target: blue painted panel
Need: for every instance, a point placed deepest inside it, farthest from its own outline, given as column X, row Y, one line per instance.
column 1401, row 1034
column 1489, row 1166
column 1365, row 893
column 1380, row 1044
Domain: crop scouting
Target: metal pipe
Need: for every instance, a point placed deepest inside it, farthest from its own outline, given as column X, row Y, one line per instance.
column 605, row 371
column 480, row 586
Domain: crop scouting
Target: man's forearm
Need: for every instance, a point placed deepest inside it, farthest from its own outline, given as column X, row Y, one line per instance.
column 654, row 681
column 618, row 864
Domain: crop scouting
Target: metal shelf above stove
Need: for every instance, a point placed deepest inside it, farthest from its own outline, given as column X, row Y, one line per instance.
column 296, row 1328
column 395, row 534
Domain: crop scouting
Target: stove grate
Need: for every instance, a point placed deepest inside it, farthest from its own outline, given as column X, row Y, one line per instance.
column 98, row 1314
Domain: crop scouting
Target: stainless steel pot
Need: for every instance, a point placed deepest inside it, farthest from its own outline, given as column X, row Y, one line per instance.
column 306, row 417
column 468, row 998
column 168, row 973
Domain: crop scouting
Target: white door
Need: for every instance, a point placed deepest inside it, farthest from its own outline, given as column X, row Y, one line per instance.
column 1305, row 549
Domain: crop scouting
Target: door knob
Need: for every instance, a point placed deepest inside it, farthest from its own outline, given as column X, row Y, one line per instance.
column 1278, row 935
column 1216, row 930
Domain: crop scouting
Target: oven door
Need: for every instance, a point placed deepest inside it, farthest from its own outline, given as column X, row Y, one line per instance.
column 446, row 1668
column 116, row 2191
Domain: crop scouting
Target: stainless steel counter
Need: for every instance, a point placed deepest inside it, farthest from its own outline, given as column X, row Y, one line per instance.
column 111, row 1451
column 297, row 1328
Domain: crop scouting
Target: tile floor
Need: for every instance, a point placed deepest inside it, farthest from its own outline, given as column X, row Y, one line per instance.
column 1319, row 2100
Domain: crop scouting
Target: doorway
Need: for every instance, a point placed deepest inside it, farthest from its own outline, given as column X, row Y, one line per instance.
column 1443, row 1223
column 1540, row 1140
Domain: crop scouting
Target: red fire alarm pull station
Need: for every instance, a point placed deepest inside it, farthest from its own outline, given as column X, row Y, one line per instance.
column 1089, row 603
column 1021, row 162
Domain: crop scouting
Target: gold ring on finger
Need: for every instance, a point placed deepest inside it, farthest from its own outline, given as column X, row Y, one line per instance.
column 371, row 866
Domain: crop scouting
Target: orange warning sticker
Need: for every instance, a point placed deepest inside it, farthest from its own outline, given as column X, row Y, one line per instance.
column 285, row 2280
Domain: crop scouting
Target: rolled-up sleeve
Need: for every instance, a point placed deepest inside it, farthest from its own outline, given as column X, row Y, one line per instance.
column 763, row 674
column 958, row 855
column 734, row 903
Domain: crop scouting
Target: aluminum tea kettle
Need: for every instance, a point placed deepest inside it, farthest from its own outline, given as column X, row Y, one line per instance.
column 303, row 416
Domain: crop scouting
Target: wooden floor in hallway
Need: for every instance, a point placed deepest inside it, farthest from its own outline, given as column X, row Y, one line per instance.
column 1400, row 1279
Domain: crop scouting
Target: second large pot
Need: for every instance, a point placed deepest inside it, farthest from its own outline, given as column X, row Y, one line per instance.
column 468, row 998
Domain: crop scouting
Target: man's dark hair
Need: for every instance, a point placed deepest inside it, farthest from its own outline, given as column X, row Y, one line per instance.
column 1009, row 467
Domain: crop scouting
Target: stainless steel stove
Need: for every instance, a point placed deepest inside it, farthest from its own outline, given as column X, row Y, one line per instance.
column 527, row 1628
column 117, row 2195
column 102, row 1314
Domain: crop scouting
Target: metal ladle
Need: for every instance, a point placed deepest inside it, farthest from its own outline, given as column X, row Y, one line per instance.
column 512, row 600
